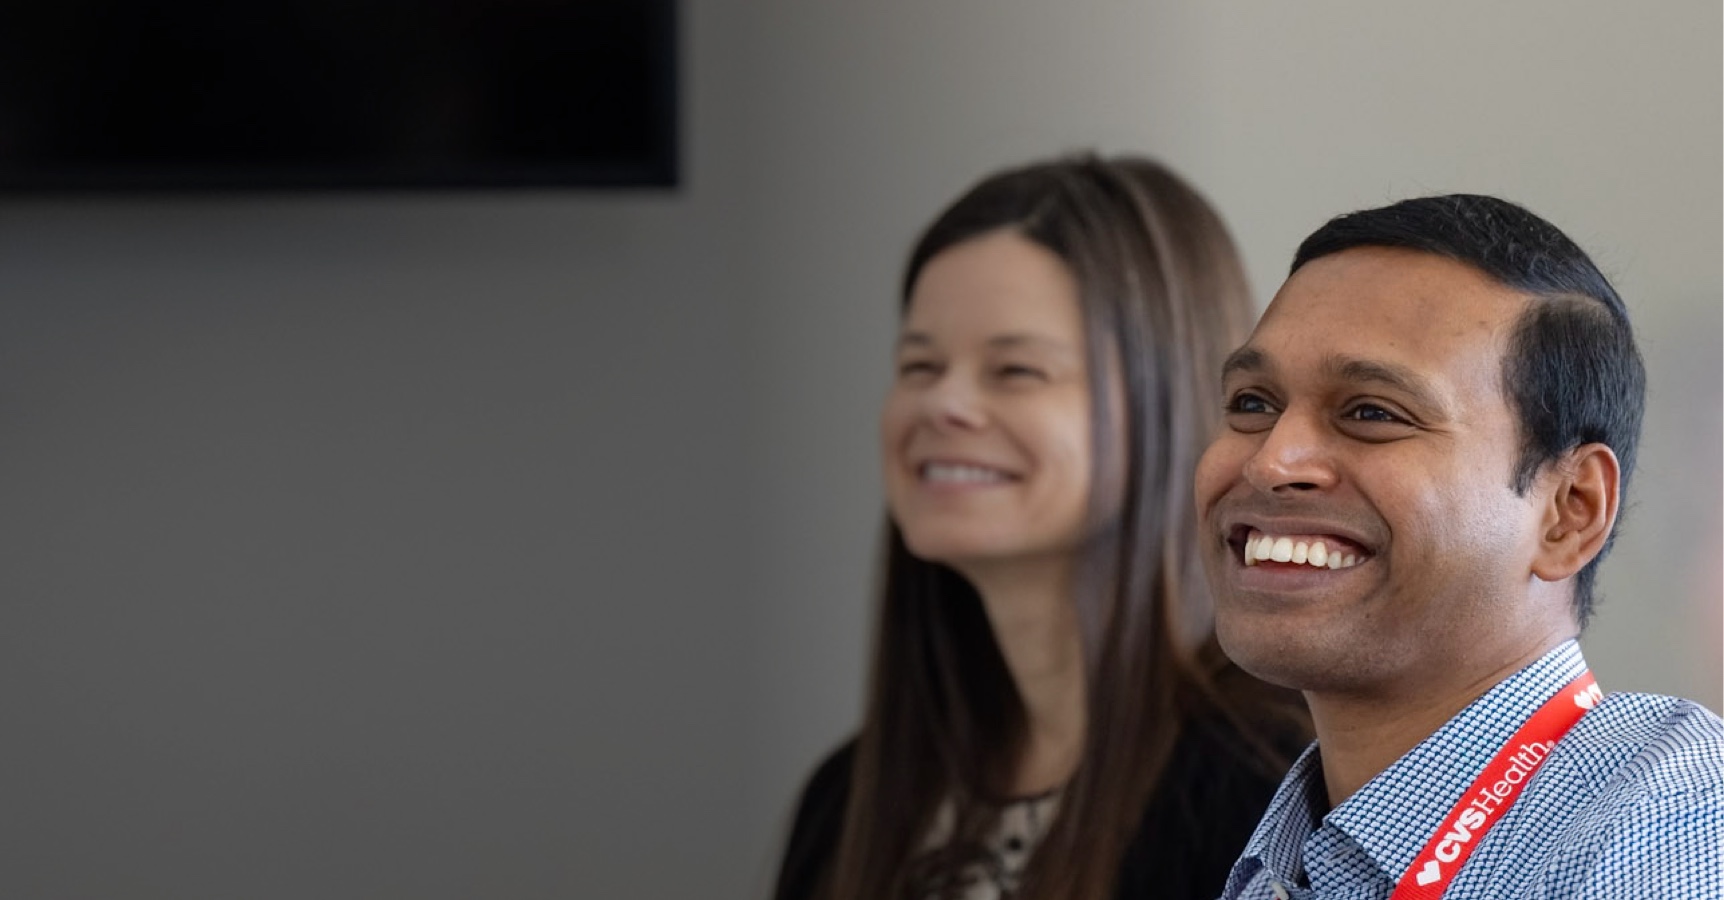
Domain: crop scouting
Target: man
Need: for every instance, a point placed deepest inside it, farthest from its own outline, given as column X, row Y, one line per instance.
column 1427, row 439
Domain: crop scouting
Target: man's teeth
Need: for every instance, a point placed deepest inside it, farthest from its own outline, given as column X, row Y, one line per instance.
column 952, row 473
column 1267, row 547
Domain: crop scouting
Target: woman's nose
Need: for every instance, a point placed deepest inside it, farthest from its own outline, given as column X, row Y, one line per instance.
column 954, row 401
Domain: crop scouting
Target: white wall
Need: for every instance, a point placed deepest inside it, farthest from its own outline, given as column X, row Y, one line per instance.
column 520, row 545
column 1604, row 117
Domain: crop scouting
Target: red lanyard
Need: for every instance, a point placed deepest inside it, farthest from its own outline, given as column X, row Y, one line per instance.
column 1495, row 790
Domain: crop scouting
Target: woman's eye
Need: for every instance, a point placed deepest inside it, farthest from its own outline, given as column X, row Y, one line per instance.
column 1021, row 371
column 910, row 367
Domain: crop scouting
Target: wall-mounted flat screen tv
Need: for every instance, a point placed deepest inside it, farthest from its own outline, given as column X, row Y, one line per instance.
column 125, row 95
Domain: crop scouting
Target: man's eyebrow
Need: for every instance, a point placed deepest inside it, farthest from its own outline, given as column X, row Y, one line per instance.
column 1391, row 375
column 1250, row 360
column 1245, row 359
column 914, row 339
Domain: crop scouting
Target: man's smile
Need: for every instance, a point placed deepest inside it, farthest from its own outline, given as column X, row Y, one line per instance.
column 1316, row 551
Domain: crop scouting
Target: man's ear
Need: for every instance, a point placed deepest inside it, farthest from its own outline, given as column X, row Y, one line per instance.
column 1580, row 508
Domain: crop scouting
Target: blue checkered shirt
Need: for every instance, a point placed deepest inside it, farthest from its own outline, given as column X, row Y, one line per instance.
column 1629, row 805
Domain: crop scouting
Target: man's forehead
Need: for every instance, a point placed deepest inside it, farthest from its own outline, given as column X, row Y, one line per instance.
column 1392, row 293
column 1389, row 316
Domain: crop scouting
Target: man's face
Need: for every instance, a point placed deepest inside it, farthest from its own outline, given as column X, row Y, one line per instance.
column 1368, row 439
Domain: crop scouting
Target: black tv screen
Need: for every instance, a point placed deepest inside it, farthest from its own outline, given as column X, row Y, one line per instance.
column 269, row 94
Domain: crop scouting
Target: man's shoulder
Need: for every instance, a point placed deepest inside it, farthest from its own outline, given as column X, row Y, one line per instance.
column 1646, row 745
column 1630, row 804
column 1635, row 805
column 1650, row 713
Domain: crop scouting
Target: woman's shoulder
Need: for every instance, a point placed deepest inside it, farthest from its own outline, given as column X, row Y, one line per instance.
column 1243, row 722
column 833, row 772
column 1218, row 781
column 817, row 825
column 1222, row 765
column 1256, row 740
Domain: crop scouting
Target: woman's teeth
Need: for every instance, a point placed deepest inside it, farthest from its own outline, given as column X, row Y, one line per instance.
column 1267, row 547
column 953, row 473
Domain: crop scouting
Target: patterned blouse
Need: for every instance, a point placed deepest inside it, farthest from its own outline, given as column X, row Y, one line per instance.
column 992, row 870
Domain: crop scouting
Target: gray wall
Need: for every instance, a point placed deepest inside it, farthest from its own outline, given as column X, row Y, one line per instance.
column 378, row 546
column 1604, row 117
column 519, row 545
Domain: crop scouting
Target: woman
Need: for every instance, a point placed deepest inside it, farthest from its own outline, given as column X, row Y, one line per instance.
column 1048, row 715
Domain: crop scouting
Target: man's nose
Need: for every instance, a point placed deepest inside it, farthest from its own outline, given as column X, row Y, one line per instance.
column 1296, row 455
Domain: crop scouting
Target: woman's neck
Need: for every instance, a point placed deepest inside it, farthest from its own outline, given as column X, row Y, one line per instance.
column 1035, row 624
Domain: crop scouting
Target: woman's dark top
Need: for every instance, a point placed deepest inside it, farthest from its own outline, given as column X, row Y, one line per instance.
column 1188, row 841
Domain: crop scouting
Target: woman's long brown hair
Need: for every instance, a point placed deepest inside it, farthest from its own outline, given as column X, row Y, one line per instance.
column 1164, row 299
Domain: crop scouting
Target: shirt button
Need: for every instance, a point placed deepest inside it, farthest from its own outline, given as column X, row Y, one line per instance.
column 1278, row 889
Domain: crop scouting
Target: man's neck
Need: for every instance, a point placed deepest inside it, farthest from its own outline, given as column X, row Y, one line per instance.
column 1361, row 734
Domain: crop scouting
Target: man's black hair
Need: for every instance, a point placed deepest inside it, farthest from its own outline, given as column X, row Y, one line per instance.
column 1571, row 372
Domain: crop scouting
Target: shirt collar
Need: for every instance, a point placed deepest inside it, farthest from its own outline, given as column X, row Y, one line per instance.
column 1289, row 820
column 1420, row 788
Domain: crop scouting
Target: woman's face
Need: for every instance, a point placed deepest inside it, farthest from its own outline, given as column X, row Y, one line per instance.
column 985, row 434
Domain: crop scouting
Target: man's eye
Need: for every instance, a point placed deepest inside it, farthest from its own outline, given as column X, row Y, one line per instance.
column 1248, row 403
column 1371, row 412
column 917, row 367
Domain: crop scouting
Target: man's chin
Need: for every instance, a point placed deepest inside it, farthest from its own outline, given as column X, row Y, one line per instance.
column 1274, row 653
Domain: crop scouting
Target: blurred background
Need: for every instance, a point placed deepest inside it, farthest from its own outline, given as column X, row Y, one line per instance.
column 449, row 544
